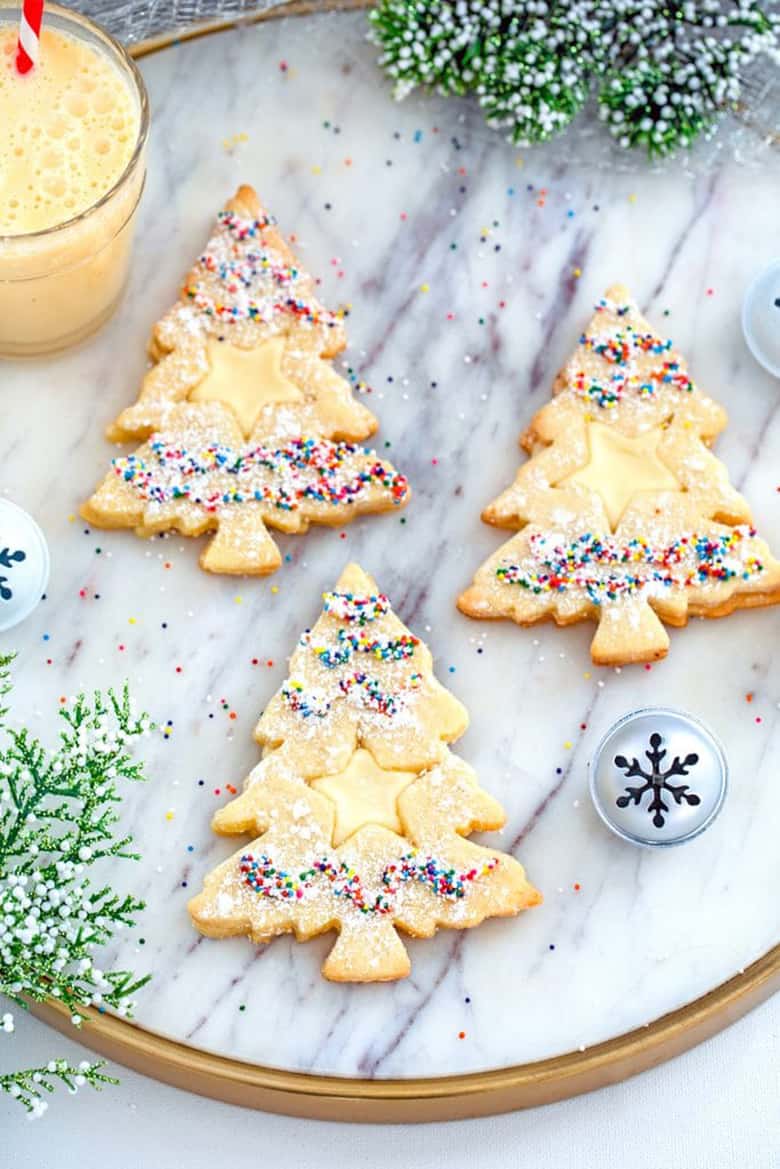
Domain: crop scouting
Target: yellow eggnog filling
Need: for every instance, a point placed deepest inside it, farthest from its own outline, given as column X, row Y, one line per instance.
column 69, row 129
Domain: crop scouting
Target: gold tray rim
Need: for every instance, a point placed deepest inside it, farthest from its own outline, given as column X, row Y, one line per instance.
column 422, row 1099
column 394, row 1101
column 291, row 8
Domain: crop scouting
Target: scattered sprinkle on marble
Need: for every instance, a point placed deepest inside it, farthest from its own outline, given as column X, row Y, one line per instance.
column 469, row 260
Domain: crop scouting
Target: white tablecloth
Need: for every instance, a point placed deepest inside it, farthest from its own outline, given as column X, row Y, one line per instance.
column 714, row 1108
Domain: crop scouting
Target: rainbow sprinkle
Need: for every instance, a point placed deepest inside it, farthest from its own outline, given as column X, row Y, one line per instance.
column 607, row 393
column 356, row 610
column 595, row 389
column 618, row 347
column 308, row 704
column 670, row 373
column 311, row 470
column 370, row 695
column 358, row 687
column 266, row 879
column 607, row 570
column 619, row 310
column 385, row 649
column 248, row 281
column 243, row 228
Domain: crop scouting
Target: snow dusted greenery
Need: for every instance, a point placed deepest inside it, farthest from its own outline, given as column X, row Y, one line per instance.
column 663, row 72
column 58, row 809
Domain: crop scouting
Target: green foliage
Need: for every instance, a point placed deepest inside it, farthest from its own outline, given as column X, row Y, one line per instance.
column 58, row 811
column 28, row 1086
column 538, row 84
column 663, row 72
column 636, row 104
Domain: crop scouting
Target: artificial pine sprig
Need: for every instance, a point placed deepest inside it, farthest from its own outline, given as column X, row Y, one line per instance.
column 664, row 70
column 28, row 1085
column 675, row 68
column 437, row 45
column 57, row 817
column 539, row 76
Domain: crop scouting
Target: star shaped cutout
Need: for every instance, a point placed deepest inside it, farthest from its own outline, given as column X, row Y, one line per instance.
column 245, row 379
column 620, row 466
column 364, row 793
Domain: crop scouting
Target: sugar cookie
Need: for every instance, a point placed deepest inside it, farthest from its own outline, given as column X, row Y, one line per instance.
column 359, row 808
column 199, row 475
column 625, row 515
column 249, row 332
column 247, row 423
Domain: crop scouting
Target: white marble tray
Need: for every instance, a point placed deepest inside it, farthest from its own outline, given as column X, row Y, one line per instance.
column 384, row 200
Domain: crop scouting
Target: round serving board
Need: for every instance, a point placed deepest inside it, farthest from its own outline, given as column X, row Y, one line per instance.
column 471, row 268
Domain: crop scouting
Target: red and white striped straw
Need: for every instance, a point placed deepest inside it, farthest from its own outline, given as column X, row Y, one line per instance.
column 29, row 35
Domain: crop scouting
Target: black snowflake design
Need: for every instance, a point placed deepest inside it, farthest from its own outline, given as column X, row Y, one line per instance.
column 7, row 560
column 657, row 780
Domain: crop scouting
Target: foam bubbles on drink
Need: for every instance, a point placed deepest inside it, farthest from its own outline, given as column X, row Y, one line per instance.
column 76, row 134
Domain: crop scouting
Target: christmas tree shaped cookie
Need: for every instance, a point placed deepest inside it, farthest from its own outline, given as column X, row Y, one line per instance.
column 625, row 516
column 246, row 422
column 248, row 332
column 359, row 809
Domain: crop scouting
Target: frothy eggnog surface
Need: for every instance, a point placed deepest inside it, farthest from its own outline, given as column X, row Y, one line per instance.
column 69, row 129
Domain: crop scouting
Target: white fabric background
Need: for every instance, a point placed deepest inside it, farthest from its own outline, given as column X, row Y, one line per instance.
column 717, row 1107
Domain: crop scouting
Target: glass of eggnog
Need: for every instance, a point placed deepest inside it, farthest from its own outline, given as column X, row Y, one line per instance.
column 72, row 144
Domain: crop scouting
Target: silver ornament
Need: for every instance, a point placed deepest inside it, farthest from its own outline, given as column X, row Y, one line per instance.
column 658, row 777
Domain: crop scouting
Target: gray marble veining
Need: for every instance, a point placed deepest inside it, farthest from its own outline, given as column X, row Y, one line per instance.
column 427, row 198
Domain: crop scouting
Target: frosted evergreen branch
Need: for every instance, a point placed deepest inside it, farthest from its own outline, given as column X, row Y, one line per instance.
column 5, row 682
column 29, row 1085
column 58, row 812
column 664, row 72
